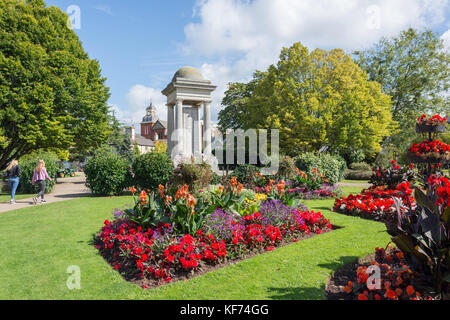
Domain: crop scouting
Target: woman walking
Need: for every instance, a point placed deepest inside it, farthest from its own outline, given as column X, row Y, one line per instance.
column 40, row 175
column 13, row 173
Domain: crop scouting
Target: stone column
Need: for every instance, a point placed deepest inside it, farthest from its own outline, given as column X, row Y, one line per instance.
column 207, row 127
column 179, row 127
column 170, row 127
column 197, row 131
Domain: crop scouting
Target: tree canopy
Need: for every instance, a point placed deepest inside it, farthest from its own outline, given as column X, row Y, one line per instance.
column 414, row 69
column 52, row 95
column 316, row 99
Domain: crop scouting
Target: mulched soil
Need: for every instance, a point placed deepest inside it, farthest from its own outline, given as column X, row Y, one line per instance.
column 334, row 289
column 128, row 273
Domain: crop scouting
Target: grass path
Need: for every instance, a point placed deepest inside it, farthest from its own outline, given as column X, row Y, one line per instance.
column 37, row 244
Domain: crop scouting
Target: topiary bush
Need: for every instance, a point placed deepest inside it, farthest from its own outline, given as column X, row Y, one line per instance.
column 360, row 166
column 107, row 173
column 152, row 169
column 27, row 165
column 358, row 175
column 332, row 167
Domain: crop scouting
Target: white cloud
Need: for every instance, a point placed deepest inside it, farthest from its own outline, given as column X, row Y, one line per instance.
column 138, row 99
column 237, row 37
column 446, row 38
column 105, row 9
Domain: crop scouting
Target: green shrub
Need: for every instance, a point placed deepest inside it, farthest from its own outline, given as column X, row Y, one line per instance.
column 216, row 179
column 196, row 176
column 27, row 165
column 360, row 166
column 152, row 169
column 107, row 173
column 244, row 173
column 332, row 167
column 358, row 175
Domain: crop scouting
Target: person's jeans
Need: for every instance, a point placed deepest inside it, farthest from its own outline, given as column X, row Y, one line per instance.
column 41, row 184
column 14, row 182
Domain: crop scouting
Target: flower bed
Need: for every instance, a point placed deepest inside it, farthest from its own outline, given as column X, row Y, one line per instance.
column 159, row 253
column 303, row 186
column 324, row 192
column 376, row 203
column 434, row 150
column 398, row 280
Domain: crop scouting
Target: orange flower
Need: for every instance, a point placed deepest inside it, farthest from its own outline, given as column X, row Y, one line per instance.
column 410, row 290
column 220, row 189
column 161, row 190
column 280, row 187
column 168, row 200
column 348, row 289
column 398, row 292
column 400, row 255
column 239, row 188
column 233, row 181
column 143, row 196
column 387, row 285
column 133, row 190
column 191, row 201
column 182, row 192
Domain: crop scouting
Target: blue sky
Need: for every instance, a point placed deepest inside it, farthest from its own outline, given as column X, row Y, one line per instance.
column 141, row 43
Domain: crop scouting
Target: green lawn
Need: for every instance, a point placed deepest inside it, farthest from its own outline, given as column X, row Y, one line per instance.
column 355, row 181
column 37, row 244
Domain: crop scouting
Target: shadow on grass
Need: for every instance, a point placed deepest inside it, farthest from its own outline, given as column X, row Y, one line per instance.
column 322, row 208
column 333, row 266
column 297, row 293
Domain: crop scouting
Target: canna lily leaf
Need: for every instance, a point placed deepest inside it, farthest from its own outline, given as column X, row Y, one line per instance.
column 405, row 243
column 446, row 215
column 430, row 225
column 424, row 202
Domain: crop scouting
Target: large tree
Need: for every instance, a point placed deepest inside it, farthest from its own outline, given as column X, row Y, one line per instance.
column 414, row 69
column 51, row 94
column 319, row 98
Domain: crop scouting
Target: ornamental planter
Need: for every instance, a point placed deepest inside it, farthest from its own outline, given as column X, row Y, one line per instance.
column 425, row 128
column 431, row 157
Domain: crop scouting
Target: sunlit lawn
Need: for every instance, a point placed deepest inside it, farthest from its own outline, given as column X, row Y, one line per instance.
column 37, row 244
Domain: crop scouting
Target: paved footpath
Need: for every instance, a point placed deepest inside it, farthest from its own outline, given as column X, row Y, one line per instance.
column 356, row 184
column 64, row 189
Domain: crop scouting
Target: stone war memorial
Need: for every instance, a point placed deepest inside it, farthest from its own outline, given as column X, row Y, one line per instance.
column 187, row 136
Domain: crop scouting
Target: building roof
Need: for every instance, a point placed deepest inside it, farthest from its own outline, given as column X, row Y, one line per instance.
column 188, row 73
column 142, row 141
column 162, row 124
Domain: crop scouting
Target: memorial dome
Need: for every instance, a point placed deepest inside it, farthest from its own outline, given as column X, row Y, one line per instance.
column 189, row 73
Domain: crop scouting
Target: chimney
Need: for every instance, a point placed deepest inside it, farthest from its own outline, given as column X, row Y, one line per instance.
column 131, row 131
